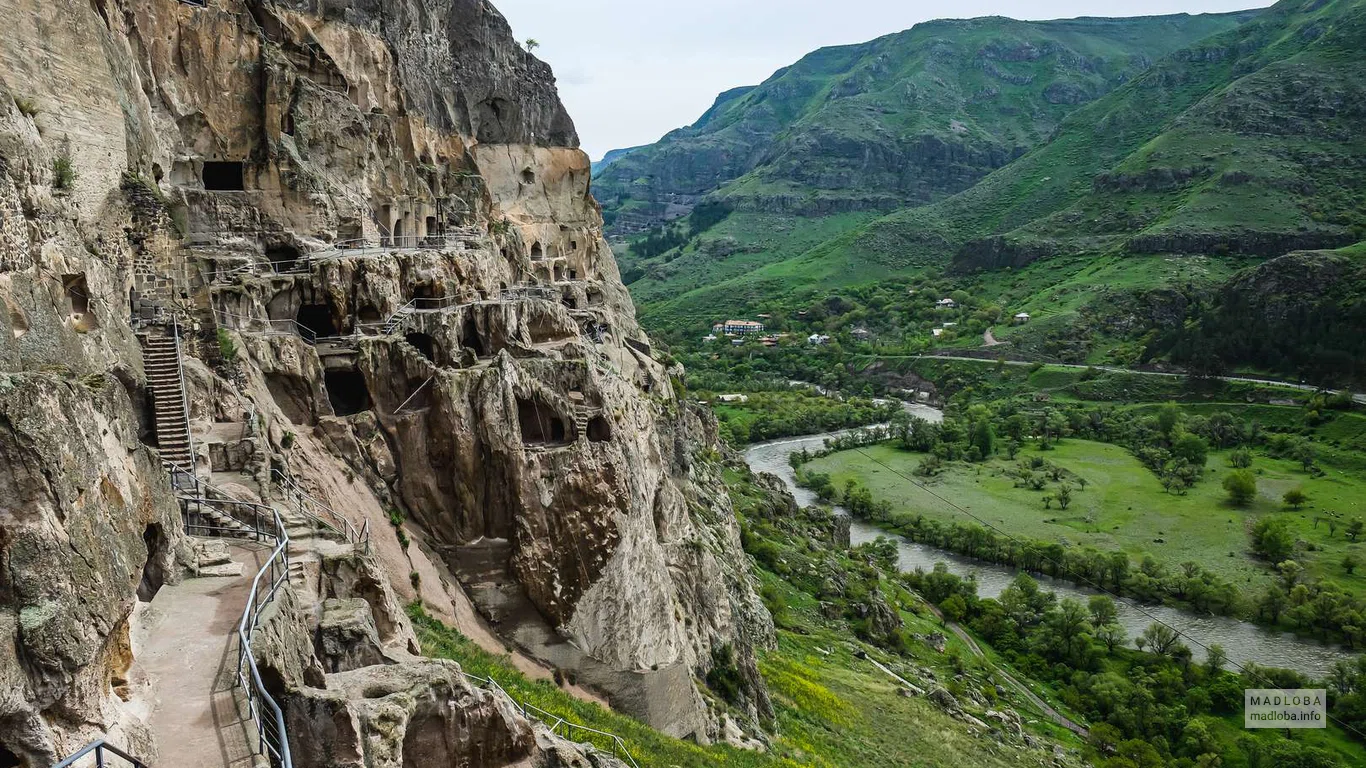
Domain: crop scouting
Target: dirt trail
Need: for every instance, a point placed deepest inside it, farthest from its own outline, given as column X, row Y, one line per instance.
column 1042, row 705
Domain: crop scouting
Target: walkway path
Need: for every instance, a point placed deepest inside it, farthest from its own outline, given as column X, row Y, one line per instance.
column 989, row 339
column 185, row 643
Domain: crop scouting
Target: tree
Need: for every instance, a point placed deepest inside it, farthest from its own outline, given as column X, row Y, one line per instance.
column 983, row 438
column 1160, row 638
column 1168, row 418
column 1103, row 610
column 1272, row 603
column 954, row 608
column 1012, row 448
column 1064, row 495
column 1216, row 657
column 1240, row 459
column 1192, row 448
column 1112, row 635
column 1272, row 539
column 1295, row 498
column 1350, row 563
column 1354, row 528
column 1305, row 453
column 1241, row 486
column 532, row 43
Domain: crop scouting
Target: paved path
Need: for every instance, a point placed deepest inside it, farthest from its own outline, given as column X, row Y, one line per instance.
column 1113, row 369
column 185, row 644
column 989, row 339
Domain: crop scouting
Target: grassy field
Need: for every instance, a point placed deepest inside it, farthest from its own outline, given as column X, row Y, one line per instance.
column 1123, row 507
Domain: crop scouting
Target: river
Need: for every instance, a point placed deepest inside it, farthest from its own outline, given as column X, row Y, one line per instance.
column 1243, row 641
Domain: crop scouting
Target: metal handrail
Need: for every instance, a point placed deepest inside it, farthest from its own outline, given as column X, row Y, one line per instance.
column 413, row 395
column 99, row 747
column 339, row 523
column 247, row 324
column 272, row 738
column 531, row 710
column 184, row 397
column 401, row 243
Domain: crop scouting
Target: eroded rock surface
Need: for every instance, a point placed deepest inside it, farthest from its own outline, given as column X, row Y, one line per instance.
column 372, row 230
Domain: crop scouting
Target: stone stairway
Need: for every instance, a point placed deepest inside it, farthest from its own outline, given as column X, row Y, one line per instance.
column 161, row 361
column 581, row 418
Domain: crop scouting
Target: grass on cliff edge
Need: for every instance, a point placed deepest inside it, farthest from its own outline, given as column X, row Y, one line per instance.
column 834, row 711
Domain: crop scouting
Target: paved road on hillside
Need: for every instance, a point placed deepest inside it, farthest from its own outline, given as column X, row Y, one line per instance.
column 1359, row 398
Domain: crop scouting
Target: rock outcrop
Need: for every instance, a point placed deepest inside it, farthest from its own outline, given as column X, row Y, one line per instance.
column 373, row 228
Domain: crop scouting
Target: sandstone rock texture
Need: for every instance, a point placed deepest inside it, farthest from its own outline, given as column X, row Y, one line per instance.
column 373, row 228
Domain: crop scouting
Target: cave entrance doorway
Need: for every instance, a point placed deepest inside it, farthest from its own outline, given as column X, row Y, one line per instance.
column 283, row 258
column 423, row 343
column 398, row 232
column 316, row 318
column 224, row 176
column 347, row 392
column 153, row 571
column 536, row 251
column 432, row 234
column 541, row 424
column 8, row 759
column 599, row 430
column 470, row 338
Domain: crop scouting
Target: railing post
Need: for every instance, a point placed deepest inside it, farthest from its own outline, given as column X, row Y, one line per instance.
column 99, row 756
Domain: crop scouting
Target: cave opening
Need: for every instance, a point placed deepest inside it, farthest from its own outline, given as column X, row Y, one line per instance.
column 528, row 176
column 316, row 318
column 432, row 234
column 283, row 257
column 470, row 338
column 599, row 429
column 559, row 273
column 153, row 571
column 595, row 298
column 540, row 423
column 347, row 392
column 77, row 293
column 536, row 251
column 424, row 344
column 569, row 299
column 8, row 759
column 369, row 315
column 220, row 176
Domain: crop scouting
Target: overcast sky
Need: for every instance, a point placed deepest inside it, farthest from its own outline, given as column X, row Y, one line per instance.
column 632, row 70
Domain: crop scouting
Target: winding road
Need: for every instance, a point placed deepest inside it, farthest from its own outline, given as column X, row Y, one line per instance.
column 1359, row 398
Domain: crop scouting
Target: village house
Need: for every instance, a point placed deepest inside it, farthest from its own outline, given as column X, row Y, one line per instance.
column 1022, row 318
column 709, row 338
column 817, row 338
column 862, row 334
column 733, row 398
column 945, row 304
column 738, row 327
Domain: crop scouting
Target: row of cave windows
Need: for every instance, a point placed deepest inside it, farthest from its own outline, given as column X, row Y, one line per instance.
column 540, row 423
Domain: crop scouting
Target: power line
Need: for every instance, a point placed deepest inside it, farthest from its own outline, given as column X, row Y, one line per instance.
column 1081, row 578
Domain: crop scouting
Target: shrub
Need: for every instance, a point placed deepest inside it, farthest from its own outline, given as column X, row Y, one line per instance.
column 1241, row 487
column 226, row 346
column 63, row 172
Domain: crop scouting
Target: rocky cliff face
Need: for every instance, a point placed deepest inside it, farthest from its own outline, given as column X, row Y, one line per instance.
column 374, row 225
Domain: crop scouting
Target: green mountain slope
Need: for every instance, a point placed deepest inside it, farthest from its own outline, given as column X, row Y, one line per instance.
column 906, row 118
column 1146, row 210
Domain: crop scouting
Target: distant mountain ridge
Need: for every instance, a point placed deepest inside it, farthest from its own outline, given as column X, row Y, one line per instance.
column 907, row 118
